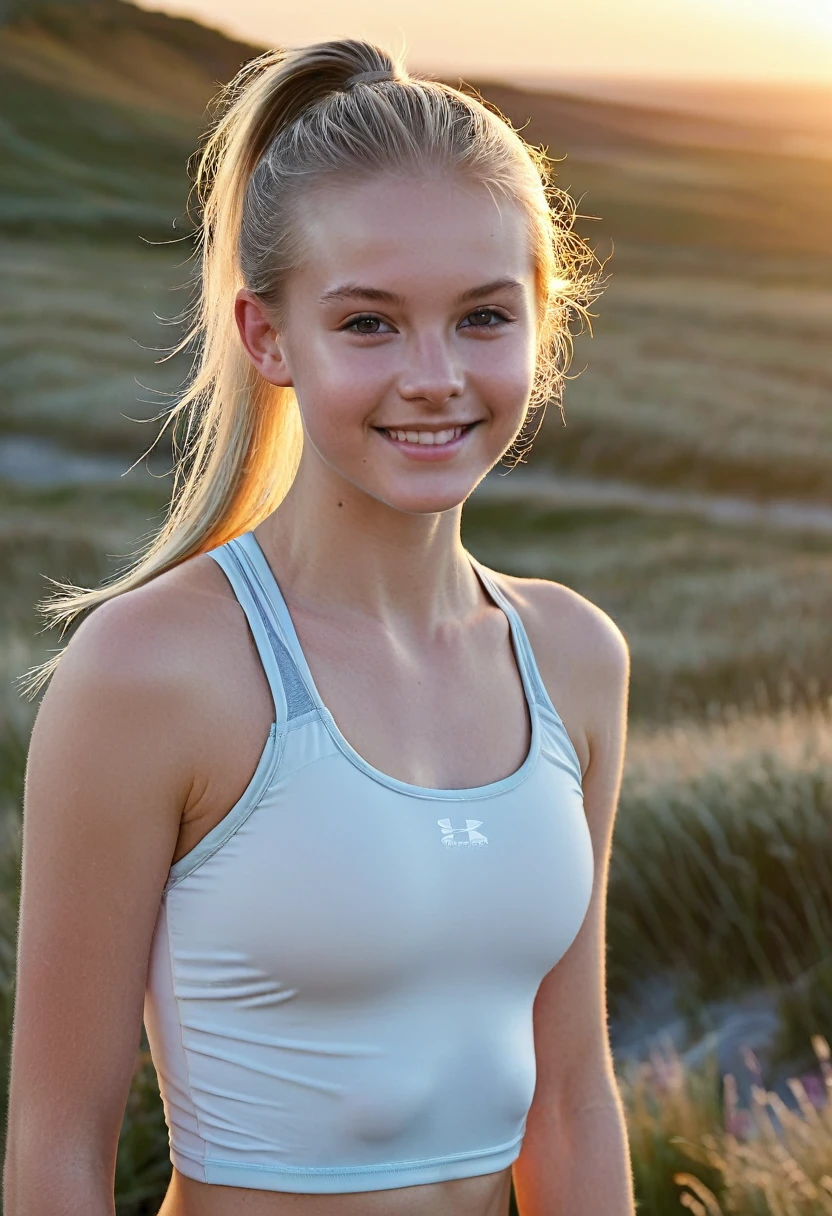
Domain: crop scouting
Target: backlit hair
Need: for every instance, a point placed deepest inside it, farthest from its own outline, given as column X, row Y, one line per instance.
column 289, row 120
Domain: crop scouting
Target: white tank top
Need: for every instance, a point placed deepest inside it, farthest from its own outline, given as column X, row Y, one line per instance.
column 342, row 973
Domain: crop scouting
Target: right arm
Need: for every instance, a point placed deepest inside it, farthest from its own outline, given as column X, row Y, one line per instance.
column 107, row 778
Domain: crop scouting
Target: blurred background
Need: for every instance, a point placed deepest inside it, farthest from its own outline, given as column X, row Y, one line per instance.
column 689, row 492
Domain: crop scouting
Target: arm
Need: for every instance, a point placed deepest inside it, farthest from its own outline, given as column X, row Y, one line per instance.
column 105, row 784
column 575, row 1154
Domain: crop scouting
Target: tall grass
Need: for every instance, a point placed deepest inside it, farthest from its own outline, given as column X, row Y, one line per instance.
column 667, row 1106
column 696, row 1149
column 722, row 868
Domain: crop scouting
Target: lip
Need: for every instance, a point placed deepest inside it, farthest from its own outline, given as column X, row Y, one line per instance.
column 424, row 451
column 429, row 426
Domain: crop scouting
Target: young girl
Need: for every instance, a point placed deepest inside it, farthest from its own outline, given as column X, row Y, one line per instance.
column 299, row 794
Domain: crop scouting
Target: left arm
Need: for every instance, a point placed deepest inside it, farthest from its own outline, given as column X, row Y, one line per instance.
column 575, row 1156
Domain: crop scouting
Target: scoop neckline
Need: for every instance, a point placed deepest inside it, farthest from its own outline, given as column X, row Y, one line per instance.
column 274, row 597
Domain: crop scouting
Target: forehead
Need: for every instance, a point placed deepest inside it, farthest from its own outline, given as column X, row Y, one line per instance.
column 413, row 235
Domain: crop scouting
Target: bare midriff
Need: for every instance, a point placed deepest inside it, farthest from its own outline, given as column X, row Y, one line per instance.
column 485, row 1195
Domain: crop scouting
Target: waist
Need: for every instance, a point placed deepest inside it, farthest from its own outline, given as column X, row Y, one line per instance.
column 483, row 1195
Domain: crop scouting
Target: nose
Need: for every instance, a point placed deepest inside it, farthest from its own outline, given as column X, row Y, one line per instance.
column 432, row 372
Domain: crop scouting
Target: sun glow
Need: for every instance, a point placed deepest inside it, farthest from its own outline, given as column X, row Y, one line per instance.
column 692, row 39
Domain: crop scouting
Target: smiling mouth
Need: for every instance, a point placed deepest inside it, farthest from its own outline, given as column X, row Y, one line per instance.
column 423, row 437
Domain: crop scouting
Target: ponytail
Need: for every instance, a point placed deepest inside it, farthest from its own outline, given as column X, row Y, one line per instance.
column 242, row 435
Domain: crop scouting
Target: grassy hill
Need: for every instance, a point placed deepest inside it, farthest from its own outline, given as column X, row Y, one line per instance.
column 103, row 104
column 104, row 101
column 709, row 365
column 662, row 179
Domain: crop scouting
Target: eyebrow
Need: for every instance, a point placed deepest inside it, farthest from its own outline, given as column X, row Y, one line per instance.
column 354, row 291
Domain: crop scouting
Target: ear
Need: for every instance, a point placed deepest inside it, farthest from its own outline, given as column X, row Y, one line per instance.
column 260, row 339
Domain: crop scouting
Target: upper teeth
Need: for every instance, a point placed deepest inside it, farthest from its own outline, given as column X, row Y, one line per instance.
column 429, row 437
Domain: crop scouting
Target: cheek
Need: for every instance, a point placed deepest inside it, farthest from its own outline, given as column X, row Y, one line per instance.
column 337, row 392
column 504, row 374
column 335, row 421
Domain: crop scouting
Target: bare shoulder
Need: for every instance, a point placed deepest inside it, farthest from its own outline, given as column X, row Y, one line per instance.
column 169, row 654
column 581, row 653
column 549, row 606
column 153, row 632
column 130, row 684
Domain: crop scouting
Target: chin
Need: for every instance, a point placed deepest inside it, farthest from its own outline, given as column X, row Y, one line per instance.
column 429, row 501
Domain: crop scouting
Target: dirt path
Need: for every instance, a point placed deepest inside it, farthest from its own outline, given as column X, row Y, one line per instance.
column 39, row 462
column 555, row 489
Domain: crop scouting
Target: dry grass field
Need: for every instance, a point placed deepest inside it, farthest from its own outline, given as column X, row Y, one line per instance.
column 708, row 370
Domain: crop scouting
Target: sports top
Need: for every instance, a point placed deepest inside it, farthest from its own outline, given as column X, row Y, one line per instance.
column 342, row 973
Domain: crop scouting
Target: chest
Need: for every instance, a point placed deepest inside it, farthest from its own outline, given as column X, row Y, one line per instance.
column 448, row 712
column 338, row 884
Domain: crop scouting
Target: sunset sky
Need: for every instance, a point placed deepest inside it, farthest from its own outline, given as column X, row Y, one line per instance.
column 540, row 40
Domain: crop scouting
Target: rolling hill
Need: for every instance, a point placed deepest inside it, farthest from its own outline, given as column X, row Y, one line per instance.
column 708, row 367
column 104, row 101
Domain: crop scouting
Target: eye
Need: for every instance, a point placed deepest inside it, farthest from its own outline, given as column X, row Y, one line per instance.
column 367, row 324
column 482, row 318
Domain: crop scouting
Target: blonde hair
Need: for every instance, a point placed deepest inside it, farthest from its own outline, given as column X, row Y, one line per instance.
column 288, row 120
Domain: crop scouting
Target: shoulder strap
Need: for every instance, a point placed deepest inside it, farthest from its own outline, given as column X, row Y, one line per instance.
column 538, row 690
column 523, row 646
column 291, row 699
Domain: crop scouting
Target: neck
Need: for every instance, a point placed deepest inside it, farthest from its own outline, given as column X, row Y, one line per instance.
column 335, row 549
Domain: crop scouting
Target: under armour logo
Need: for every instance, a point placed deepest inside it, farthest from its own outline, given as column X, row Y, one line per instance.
column 470, row 830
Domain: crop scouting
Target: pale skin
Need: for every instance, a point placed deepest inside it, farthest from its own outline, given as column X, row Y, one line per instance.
column 151, row 728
